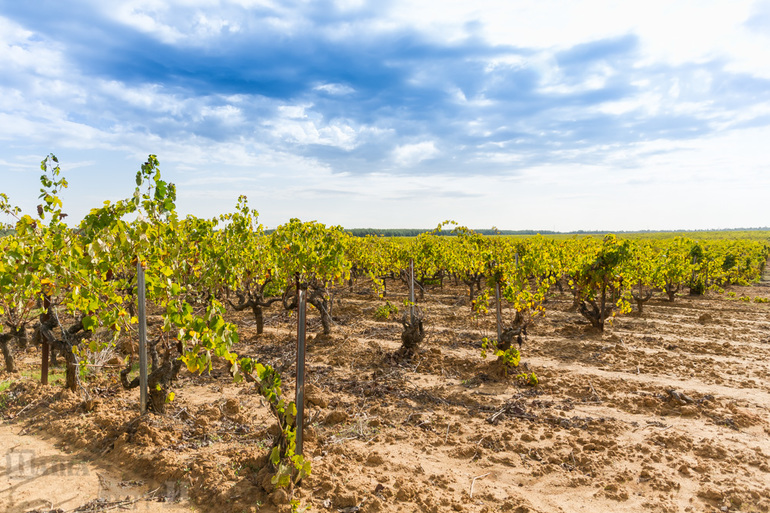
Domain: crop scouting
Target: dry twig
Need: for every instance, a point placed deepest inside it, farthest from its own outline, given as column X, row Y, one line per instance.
column 473, row 482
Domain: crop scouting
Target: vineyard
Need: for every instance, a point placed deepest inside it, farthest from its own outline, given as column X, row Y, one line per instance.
column 442, row 373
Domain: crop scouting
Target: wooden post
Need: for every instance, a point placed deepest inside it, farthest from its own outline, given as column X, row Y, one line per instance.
column 411, row 290
column 499, row 312
column 299, row 396
column 46, row 345
column 142, row 337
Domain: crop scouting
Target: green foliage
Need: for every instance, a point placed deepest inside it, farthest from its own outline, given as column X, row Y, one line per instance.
column 386, row 311
column 528, row 379
column 51, row 185
column 159, row 197
column 297, row 507
column 10, row 210
column 599, row 282
column 202, row 336
column 289, row 467
column 510, row 358
column 311, row 251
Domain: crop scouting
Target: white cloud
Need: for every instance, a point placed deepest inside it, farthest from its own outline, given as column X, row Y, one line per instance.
column 670, row 31
column 409, row 155
column 210, row 27
column 21, row 52
column 150, row 97
column 336, row 133
column 294, row 111
column 228, row 114
column 144, row 16
column 335, row 89
column 300, row 124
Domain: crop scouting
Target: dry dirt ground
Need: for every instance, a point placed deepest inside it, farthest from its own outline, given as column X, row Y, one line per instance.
column 667, row 411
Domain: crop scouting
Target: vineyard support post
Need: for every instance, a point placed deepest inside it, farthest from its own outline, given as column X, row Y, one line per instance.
column 411, row 290
column 142, row 337
column 499, row 309
column 299, row 399
column 46, row 345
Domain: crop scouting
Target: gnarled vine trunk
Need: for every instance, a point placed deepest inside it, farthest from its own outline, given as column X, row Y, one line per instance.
column 68, row 344
column 412, row 336
column 257, row 302
column 641, row 298
column 320, row 299
column 596, row 312
column 5, row 340
column 671, row 291
column 158, row 381
column 474, row 286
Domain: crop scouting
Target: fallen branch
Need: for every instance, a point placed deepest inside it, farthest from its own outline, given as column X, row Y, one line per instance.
column 473, row 482
column 510, row 409
column 680, row 397
column 102, row 505
column 593, row 391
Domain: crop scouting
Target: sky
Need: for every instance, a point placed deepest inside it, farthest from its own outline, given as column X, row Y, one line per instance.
column 518, row 114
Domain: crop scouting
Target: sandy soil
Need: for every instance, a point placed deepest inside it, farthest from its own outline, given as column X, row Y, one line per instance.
column 667, row 411
column 37, row 476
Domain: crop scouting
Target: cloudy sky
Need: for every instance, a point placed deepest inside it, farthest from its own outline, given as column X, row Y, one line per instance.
column 522, row 114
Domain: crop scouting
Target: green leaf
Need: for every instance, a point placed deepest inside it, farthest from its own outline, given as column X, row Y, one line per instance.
column 216, row 323
column 90, row 322
column 275, row 456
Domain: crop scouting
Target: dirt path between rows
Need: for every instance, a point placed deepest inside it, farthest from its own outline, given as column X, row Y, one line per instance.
column 37, row 476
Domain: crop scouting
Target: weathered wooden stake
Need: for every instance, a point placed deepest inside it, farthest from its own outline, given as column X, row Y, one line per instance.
column 299, row 399
column 46, row 345
column 142, row 337
column 499, row 312
column 411, row 290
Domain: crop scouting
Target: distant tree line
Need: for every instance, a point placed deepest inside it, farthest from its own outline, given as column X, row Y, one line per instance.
column 413, row 232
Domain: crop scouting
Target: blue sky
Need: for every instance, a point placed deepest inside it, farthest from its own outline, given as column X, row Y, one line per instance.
column 517, row 114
